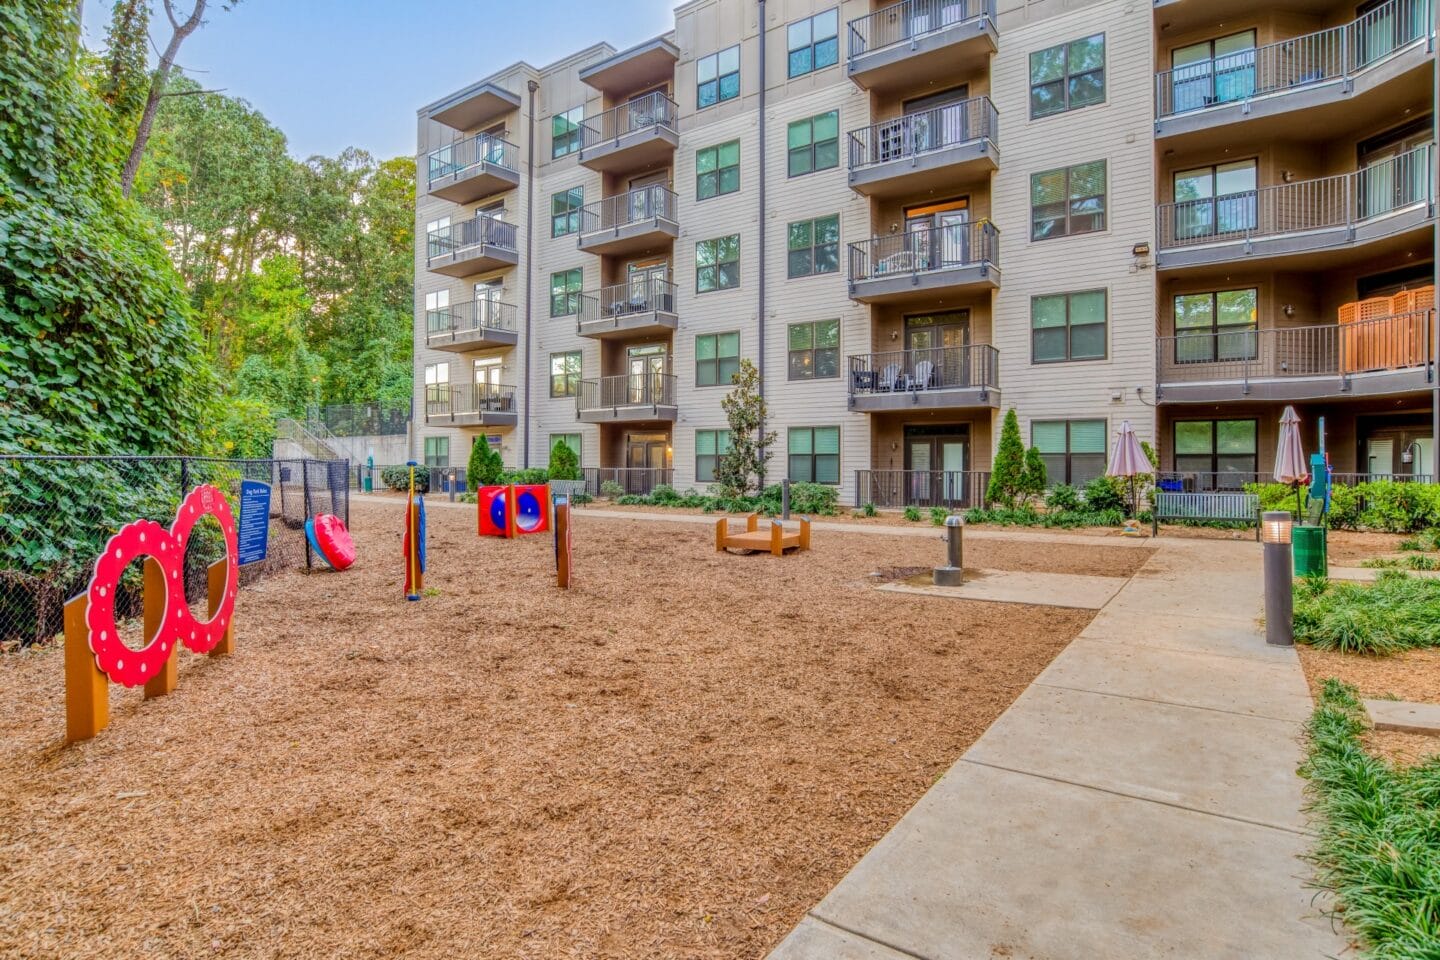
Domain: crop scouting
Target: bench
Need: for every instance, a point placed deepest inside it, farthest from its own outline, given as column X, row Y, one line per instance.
column 1233, row 507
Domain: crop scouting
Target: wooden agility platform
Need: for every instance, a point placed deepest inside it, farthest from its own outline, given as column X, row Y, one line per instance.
column 776, row 539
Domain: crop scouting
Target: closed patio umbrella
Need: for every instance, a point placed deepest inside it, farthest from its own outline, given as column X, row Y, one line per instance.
column 1128, row 458
column 1290, row 464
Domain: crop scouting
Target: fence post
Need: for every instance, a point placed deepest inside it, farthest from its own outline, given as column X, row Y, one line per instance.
column 305, row 492
column 184, row 477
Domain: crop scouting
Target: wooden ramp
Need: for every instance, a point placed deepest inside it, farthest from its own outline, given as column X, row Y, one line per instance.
column 776, row 539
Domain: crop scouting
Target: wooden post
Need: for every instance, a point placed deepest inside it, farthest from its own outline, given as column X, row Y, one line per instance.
column 215, row 575
column 752, row 523
column 721, row 526
column 777, row 538
column 155, row 599
column 562, row 540
column 510, row 503
column 87, row 690
column 804, row 533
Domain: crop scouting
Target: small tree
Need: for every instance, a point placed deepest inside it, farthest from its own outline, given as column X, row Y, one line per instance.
column 1032, row 481
column 749, row 450
column 1007, row 475
column 485, row 465
column 564, row 464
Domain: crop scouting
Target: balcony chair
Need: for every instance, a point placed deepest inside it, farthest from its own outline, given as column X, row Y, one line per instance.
column 924, row 372
column 890, row 378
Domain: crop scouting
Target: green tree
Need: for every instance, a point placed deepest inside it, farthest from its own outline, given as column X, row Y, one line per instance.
column 564, row 463
column 1033, row 479
column 485, row 465
column 749, row 452
column 1007, row 473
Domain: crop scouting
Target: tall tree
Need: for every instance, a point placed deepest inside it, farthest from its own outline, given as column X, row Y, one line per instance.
column 749, row 450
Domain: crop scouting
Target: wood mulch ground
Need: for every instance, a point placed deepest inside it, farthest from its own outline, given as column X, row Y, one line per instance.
column 677, row 758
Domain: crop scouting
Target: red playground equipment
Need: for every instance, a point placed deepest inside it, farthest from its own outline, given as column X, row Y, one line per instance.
column 513, row 511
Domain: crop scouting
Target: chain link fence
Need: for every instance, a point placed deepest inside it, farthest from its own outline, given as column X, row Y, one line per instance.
column 56, row 513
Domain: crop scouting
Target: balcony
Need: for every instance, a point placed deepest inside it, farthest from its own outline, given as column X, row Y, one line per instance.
column 472, row 325
column 471, row 246
column 476, row 167
column 474, row 106
column 1384, row 201
column 952, row 489
column 636, row 308
column 633, row 136
column 1318, row 70
column 627, row 398
column 1386, row 355
column 629, row 223
column 907, row 266
column 646, row 64
column 924, row 151
column 939, row 378
column 471, row 405
column 910, row 42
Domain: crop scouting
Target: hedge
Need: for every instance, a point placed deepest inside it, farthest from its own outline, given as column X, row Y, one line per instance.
column 1387, row 506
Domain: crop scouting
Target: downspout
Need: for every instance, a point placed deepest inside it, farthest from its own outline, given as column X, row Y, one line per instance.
column 760, row 355
column 1434, row 311
column 529, row 260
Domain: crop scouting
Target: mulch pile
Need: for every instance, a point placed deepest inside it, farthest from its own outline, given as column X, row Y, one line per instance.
column 678, row 757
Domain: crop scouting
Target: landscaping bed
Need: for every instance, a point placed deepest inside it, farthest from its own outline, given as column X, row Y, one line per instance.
column 678, row 757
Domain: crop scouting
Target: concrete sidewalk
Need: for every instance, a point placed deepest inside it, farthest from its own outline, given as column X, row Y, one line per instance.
column 1138, row 800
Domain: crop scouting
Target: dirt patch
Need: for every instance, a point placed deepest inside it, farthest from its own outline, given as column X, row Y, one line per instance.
column 678, row 757
column 1403, row 749
column 1346, row 549
column 1413, row 675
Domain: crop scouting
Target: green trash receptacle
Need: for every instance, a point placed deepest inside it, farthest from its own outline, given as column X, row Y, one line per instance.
column 1309, row 546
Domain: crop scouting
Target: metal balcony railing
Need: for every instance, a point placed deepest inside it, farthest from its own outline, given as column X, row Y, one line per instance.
column 910, row 20
column 636, row 206
column 974, row 366
column 645, row 295
column 1298, row 62
column 925, row 251
column 918, row 134
column 473, row 232
column 627, row 390
column 638, row 480
column 469, row 316
column 1397, row 342
column 952, row 489
column 467, row 399
column 475, row 152
column 1204, row 481
column 642, row 113
column 1334, row 202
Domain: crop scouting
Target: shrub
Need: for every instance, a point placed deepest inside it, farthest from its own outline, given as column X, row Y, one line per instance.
column 1396, row 612
column 398, row 478
column 938, row 515
column 1104, row 493
column 912, row 514
column 664, row 495
column 525, row 476
column 1032, row 481
column 1063, row 497
column 611, row 490
column 1389, row 506
column 1029, row 517
column 805, row 498
column 581, row 498
column 869, row 510
column 485, row 465
column 564, row 463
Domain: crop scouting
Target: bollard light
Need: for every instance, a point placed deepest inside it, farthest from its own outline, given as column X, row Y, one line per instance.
column 1275, row 526
column 1279, row 578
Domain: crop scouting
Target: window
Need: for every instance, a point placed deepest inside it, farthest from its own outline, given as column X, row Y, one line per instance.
column 565, row 211
column 565, row 132
column 565, row 292
column 814, row 42
column 814, row 350
column 814, row 454
column 1215, row 200
column 1222, row 450
column 1073, row 450
column 717, row 77
column 571, row 440
column 1213, row 71
column 437, row 451
column 437, row 388
column 565, row 373
column 438, row 300
column 717, row 358
column 1067, row 326
column 717, row 170
column 1067, row 77
column 717, row 264
column 437, row 237
column 814, row 246
column 1067, row 201
column 814, row 143
column 710, row 446
column 1215, row 326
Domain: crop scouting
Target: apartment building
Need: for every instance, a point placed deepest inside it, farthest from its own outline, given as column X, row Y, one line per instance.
column 1200, row 205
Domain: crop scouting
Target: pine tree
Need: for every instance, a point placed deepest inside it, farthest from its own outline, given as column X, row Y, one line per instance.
column 485, row 465
column 564, row 464
column 1034, row 479
column 1007, row 475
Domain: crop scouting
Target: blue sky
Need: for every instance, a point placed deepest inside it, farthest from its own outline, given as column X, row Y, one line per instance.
column 338, row 73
